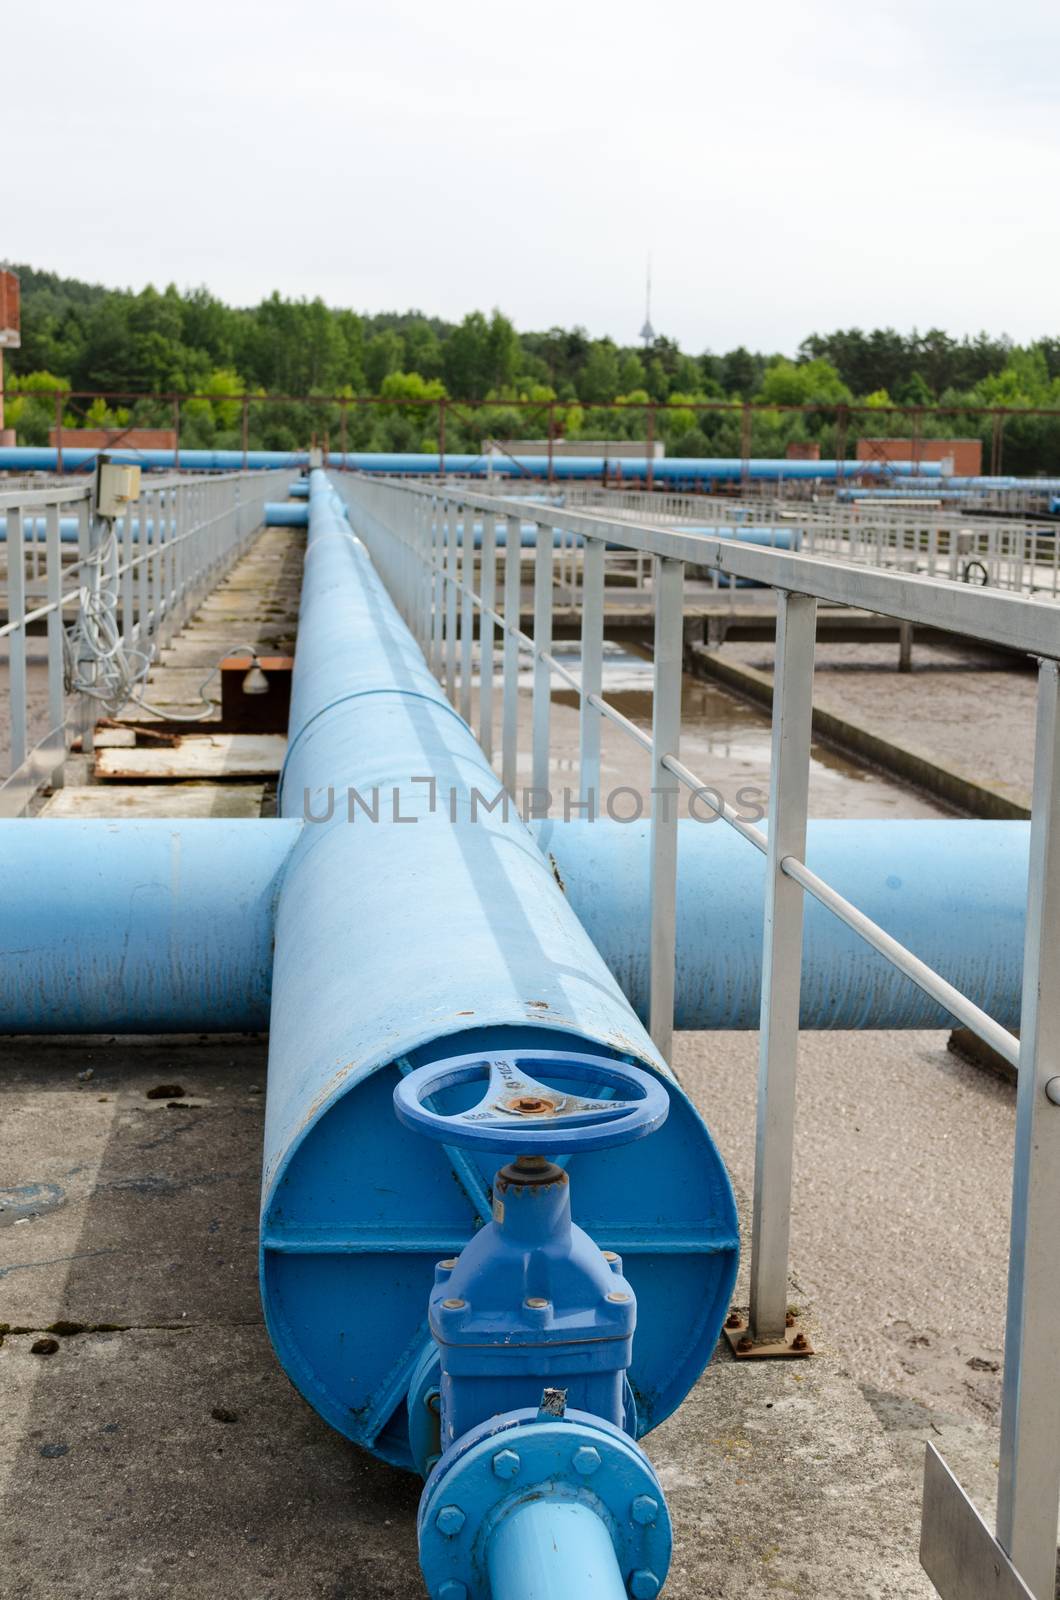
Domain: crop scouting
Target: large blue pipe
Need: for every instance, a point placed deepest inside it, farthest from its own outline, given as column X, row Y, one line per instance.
column 35, row 528
column 670, row 469
column 722, row 469
column 206, row 893
column 952, row 891
column 400, row 944
column 137, row 926
column 45, row 458
column 278, row 514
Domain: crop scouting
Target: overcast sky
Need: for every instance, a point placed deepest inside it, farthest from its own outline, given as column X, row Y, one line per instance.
column 789, row 167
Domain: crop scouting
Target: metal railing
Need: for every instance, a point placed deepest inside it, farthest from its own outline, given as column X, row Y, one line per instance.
column 1011, row 552
column 439, row 583
column 145, row 576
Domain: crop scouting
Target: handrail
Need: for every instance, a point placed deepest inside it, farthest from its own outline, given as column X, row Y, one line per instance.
column 412, row 533
column 168, row 550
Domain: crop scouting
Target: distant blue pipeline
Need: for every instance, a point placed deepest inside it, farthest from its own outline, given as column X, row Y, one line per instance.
column 670, row 470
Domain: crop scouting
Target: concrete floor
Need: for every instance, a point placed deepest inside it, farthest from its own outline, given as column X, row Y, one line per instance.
column 159, row 1450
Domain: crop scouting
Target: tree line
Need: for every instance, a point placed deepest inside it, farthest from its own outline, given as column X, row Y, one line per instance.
column 78, row 336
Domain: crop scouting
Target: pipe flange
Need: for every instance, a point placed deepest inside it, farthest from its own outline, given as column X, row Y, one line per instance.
column 517, row 1457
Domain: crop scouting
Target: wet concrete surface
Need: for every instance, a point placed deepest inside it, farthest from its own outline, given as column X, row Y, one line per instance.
column 724, row 740
column 971, row 709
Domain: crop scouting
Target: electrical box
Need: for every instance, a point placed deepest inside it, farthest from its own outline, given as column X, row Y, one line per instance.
column 116, row 488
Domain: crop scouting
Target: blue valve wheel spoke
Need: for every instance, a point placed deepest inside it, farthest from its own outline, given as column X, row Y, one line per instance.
column 522, row 1114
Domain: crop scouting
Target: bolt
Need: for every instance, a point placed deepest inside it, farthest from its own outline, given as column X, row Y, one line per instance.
column 645, row 1510
column 454, row 1305
column 800, row 1342
column 609, row 1255
column 618, row 1297
column 447, row 1266
column 734, row 1319
column 452, row 1589
column 449, row 1521
column 506, row 1464
column 534, row 1302
column 586, row 1460
column 433, row 1401
column 644, row 1585
column 789, row 1319
column 746, row 1343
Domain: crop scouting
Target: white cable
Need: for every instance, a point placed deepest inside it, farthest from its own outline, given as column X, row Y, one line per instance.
column 96, row 662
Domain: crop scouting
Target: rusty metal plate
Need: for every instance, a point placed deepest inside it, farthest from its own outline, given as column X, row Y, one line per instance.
column 795, row 1344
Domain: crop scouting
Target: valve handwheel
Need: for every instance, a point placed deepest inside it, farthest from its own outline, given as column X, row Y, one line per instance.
column 521, row 1114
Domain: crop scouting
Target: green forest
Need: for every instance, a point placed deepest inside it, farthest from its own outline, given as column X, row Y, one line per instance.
column 79, row 336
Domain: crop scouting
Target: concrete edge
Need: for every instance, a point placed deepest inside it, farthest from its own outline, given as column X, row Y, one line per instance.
column 932, row 777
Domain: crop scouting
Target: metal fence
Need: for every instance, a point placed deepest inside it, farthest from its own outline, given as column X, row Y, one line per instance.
column 443, row 586
column 100, row 595
column 1015, row 553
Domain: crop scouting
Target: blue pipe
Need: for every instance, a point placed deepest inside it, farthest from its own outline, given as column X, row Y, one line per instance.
column 553, row 1550
column 631, row 469
column 927, row 493
column 278, row 514
column 953, row 891
column 668, row 469
column 299, row 489
column 45, row 458
column 398, row 945
column 136, row 926
column 35, row 527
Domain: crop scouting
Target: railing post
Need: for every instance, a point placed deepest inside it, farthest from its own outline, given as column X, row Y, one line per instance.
column 53, row 578
column 438, row 550
column 467, row 612
column 592, row 672
column 1029, row 1468
column 451, row 514
column 543, row 567
column 87, row 541
column 16, row 643
column 781, row 964
column 487, row 590
column 513, row 560
column 665, row 741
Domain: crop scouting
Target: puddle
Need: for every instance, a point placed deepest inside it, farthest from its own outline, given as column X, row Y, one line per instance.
column 723, row 740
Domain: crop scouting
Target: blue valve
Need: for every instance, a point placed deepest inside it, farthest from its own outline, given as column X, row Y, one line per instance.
column 523, row 1398
column 524, row 1116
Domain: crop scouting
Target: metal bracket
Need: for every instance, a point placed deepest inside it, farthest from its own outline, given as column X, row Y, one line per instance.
column 957, row 1550
column 794, row 1344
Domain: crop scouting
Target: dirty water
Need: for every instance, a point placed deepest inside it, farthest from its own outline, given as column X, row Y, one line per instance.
column 725, row 741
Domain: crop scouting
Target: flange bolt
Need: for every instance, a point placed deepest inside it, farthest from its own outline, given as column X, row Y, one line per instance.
column 586, row 1460
column 449, row 1521
column 644, row 1585
column 733, row 1320
column 506, row 1464
column 645, row 1510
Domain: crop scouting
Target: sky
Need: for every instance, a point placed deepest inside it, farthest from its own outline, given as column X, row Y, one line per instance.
column 787, row 168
